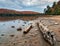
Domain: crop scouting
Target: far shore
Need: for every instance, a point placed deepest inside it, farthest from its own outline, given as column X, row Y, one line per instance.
column 26, row 17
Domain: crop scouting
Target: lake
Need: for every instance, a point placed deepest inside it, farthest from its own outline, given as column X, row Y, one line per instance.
column 8, row 28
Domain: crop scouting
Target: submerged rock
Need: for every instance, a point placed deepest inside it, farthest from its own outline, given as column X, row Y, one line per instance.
column 12, row 26
column 23, row 25
column 24, row 22
column 2, row 34
column 19, row 29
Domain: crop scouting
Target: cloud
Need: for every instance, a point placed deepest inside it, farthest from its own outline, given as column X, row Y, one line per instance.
column 36, row 2
column 2, row 0
column 30, row 2
column 35, row 5
column 9, row 4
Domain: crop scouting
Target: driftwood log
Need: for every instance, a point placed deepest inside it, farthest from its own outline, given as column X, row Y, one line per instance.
column 27, row 29
column 47, row 34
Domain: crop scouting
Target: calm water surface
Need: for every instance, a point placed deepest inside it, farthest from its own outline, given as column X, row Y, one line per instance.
column 6, row 29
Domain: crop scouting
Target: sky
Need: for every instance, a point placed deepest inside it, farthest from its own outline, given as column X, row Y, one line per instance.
column 26, row 5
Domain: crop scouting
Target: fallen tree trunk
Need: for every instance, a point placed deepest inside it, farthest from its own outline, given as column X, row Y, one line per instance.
column 27, row 29
column 47, row 34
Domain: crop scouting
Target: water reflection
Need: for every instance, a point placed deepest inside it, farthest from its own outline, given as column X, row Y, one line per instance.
column 10, row 28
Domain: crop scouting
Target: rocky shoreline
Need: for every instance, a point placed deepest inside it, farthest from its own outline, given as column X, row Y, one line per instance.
column 12, row 37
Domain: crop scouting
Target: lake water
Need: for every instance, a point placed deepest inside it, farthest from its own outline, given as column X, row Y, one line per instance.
column 6, row 29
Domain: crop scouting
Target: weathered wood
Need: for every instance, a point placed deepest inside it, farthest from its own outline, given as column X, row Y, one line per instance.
column 27, row 29
column 47, row 34
column 42, row 27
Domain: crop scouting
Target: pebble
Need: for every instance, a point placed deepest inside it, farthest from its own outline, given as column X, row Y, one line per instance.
column 56, row 23
column 23, row 25
column 2, row 34
column 12, row 35
column 25, row 41
column 19, row 29
column 13, row 26
column 24, row 22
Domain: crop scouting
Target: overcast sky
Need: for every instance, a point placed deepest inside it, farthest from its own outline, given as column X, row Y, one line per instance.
column 24, row 5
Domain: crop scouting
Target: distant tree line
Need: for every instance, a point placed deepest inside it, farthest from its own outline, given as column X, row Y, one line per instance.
column 10, row 15
column 54, row 10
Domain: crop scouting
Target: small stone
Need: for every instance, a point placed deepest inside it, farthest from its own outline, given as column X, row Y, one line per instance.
column 12, row 35
column 13, row 26
column 25, row 22
column 35, row 42
column 0, row 37
column 56, row 23
column 23, row 25
column 25, row 41
column 3, row 24
column 59, row 30
column 19, row 29
column 14, row 43
column 16, row 36
column 2, row 34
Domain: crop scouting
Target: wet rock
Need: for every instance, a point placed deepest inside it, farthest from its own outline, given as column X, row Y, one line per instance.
column 24, row 22
column 12, row 26
column 0, row 37
column 25, row 41
column 14, row 43
column 3, row 24
column 59, row 31
column 19, row 29
column 23, row 25
column 2, row 34
column 16, row 36
column 31, row 23
column 12, row 35
column 35, row 42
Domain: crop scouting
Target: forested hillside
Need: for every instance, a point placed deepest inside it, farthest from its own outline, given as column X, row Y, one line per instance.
column 55, row 9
